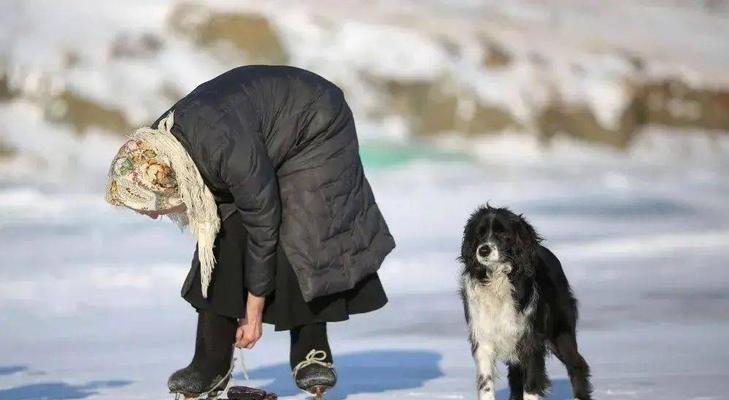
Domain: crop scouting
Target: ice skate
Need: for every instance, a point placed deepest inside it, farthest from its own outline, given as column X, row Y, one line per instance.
column 190, row 384
column 314, row 375
column 208, row 374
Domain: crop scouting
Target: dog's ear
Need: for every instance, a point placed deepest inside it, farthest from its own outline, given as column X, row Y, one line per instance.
column 527, row 243
column 470, row 237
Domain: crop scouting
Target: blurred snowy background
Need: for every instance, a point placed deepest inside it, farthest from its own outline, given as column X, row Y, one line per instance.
column 604, row 122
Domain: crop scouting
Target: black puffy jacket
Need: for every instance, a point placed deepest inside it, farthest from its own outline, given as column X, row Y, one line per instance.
column 278, row 145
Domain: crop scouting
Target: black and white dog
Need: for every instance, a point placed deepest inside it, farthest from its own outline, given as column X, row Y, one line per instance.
column 518, row 305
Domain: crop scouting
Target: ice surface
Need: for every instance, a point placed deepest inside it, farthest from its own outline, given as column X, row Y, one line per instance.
column 90, row 307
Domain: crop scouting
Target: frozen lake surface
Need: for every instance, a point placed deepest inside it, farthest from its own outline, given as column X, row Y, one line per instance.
column 90, row 306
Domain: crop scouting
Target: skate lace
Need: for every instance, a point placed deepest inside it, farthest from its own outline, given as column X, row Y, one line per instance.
column 243, row 368
column 314, row 357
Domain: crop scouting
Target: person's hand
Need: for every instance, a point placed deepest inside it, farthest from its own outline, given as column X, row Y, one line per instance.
column 249, row 331
column 250, row 328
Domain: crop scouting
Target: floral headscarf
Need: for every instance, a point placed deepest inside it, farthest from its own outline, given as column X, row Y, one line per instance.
column 153, row 172
column 142, row 179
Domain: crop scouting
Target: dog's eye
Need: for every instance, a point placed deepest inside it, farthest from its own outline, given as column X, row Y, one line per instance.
column 482, row 231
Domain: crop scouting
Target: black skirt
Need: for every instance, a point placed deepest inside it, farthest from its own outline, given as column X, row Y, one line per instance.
column 285, row 307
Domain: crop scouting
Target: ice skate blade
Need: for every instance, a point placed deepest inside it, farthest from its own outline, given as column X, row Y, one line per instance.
column 209, row 396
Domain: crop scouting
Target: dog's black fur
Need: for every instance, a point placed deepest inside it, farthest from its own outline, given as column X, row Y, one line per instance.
column 540, row 291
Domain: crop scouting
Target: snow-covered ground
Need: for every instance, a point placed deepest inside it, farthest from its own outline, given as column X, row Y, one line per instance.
column 90, row 306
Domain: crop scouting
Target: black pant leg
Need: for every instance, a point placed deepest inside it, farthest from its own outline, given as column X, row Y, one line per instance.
column 306, row 338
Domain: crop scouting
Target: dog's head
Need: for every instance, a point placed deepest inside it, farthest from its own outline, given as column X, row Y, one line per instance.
column 497, row 240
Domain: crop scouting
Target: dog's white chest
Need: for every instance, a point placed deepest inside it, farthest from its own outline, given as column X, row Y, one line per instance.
column 494, row 321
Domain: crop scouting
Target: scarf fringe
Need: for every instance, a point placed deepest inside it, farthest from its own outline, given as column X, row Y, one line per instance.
column 201, row 213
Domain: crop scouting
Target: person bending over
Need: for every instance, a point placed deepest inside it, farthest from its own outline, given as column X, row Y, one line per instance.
column 262, row 164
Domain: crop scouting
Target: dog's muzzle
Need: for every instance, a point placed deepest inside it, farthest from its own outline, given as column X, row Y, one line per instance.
column 487, row 253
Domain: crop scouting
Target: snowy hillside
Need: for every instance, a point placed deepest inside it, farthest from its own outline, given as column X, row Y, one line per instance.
column 71, row 73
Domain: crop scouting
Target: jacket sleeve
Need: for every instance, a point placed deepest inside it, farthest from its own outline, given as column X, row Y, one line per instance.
column 248, row 173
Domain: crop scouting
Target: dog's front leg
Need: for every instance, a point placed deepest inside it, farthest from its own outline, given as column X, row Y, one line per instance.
column 485, row 362
column 536, row 382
